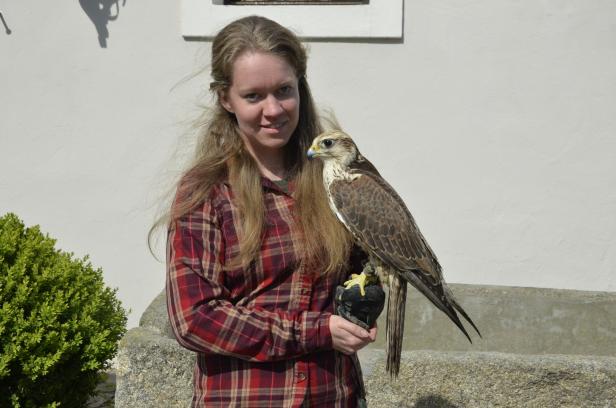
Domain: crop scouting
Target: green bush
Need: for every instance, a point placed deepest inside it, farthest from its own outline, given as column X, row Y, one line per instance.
column 59, row 323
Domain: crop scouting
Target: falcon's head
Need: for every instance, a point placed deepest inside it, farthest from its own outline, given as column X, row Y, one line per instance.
column 334, row 145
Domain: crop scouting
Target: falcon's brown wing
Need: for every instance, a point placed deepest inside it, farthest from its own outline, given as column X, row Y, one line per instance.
column 382, row 224
column 378, row 217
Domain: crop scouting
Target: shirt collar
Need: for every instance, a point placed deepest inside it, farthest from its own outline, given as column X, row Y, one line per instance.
column 287, row 187
column 272, row 185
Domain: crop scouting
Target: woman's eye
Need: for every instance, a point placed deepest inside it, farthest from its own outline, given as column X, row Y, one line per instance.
column 251, row 97
column 285, row 90
column 328, row 143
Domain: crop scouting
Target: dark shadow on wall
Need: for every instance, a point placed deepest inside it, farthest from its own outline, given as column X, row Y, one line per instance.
column 7, row 30
column 101, row 12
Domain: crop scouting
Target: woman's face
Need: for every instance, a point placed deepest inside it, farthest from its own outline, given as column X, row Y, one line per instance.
column 265, row 100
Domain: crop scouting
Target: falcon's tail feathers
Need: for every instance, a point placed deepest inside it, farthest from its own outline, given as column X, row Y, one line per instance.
column 445, row 303
column 463, row 313
column 395, row 324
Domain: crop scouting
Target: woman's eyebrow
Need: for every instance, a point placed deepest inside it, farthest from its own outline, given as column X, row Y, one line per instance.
column 259, row 89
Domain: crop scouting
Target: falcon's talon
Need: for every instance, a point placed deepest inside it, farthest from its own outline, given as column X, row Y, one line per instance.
column 362, row 280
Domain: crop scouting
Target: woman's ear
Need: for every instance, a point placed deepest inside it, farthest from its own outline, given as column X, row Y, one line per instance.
column 224, row 101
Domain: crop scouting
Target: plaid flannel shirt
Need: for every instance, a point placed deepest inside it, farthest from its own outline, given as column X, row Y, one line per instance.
column 261, row 333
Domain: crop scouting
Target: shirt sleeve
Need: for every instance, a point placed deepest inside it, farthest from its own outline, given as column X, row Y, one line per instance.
column 201, row 315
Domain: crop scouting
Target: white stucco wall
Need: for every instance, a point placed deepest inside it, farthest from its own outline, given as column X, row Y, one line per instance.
column 494, row 119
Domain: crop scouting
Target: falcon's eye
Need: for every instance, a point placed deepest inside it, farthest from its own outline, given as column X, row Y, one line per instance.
column 327, row 143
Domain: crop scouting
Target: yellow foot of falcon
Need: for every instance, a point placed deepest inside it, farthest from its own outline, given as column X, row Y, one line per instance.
column 362, row 280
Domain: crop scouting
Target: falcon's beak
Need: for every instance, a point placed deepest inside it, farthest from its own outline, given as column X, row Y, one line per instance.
column 312, row 152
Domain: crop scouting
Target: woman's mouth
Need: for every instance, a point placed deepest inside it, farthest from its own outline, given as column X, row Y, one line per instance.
column 273, row 127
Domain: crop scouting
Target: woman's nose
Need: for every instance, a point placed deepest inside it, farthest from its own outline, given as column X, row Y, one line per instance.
column 272, row 106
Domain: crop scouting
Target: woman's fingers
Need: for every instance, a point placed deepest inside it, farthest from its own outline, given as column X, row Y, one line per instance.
column 354, row 329
column 348, row 337
column 373, row 332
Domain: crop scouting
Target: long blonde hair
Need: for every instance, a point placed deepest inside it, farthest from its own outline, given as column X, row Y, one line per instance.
column 221, row 154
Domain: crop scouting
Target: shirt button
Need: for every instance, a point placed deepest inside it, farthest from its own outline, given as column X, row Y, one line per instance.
column 301, row 377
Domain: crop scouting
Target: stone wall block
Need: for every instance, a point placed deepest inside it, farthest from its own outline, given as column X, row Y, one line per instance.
column 442, row 379
column 153, row 371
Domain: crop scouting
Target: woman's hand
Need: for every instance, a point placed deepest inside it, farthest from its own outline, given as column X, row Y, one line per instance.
column 348, row 337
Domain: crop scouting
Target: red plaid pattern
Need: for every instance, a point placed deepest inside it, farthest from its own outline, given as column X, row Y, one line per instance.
column 261, row 333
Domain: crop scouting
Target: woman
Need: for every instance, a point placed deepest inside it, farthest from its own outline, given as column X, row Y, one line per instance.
column 254, row 253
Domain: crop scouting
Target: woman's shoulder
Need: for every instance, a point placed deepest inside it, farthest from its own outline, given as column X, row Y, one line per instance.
column 193, row 195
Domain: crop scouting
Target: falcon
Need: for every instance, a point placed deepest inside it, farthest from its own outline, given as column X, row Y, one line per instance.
column 384, row 228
